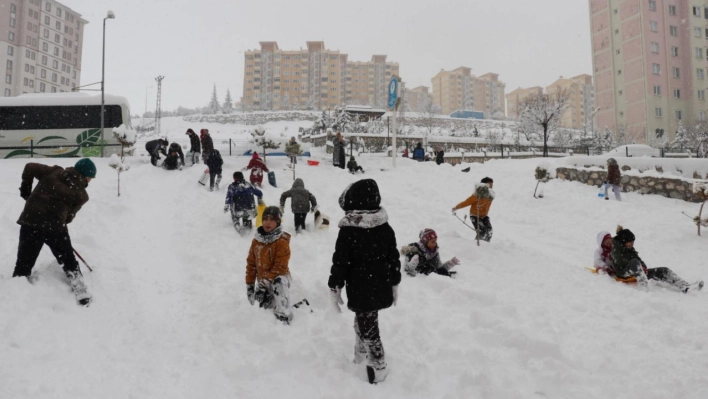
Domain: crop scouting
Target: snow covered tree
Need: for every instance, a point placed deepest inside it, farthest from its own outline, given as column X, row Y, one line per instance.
column 682, row 140
column 429, row 116
column 285, row 102
column 545, row 111
column 261, row 139
column 342, row 121
column 214, row 103
column 228, row 104
column 321, row 123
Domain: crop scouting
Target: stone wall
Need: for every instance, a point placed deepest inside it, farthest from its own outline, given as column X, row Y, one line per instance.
column 666, row 186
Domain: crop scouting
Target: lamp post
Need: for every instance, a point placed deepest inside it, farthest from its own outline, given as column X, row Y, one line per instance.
column 109, row 15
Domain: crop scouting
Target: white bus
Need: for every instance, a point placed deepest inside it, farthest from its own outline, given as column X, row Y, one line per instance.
column 60, row 125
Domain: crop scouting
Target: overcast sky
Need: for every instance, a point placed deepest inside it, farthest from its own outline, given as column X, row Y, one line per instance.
column 196, row 44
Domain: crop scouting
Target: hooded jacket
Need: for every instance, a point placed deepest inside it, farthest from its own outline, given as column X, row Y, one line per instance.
column 365, row 258
column 602, row 259
column 269, row 256
column 613, row 173
column 207, row 142
column 621, row 256
column 301, row 199
column 473, row 201
column 56, row 200
column 155, row 146
column 428, row 260
column 241, row 194
column 195, row 144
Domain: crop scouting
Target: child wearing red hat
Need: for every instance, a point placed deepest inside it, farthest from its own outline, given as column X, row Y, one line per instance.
column 423, row 256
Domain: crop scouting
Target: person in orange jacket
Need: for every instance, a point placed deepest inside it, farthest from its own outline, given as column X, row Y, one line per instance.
column 479, row 204
column 267, row 265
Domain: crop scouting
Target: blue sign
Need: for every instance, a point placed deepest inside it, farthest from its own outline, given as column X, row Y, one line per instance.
column 392, row 92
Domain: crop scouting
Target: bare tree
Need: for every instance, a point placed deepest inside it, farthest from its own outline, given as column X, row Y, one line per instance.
column 545, row 111
column 624, row 135
column 429, row 116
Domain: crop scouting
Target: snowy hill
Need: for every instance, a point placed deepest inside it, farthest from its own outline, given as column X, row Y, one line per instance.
column 523, row 319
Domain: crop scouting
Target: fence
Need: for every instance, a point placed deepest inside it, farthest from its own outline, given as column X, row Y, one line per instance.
column 19, row 149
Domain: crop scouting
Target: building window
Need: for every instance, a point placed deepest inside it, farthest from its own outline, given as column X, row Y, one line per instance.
column 673, row 30
column 701, row 94
column 48, row 6
column 678, row 114
column 54, row 89
column 652, row 5
column 43, row 74
column 8, row 93
column 657, row 112
column 676, row 72
column 699, row 52
column 654, row 47
column 677, row 93
column 672, row 10
column 9, row 65
column 42, row 87
column 701, row 115
column 657, row 90
column 56, row 38
column 12, row 22
column 10, row 50
column 55, row 64
column 696, row 11
column 8, row 78
column 697, row 31
column 700, row 73
column 656, row 69
column 11, row 36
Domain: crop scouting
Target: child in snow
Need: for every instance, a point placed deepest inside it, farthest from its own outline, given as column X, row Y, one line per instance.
column 267, row 265
column 207, row 144
column 239, row 200
column 602, row 257
column 627, row 263
column 366, row 261
column 292, row 148
column 423, row 256
column 613, row 179
column 479, row 204
column 419, row 153
column 154, row 148
column 214, row 162
column 302, row 202
column 257, row 167
column 172, row 161
column 195, row 148
column 353, row 167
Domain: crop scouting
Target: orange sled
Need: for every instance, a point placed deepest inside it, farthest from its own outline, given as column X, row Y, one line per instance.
column 629, row 280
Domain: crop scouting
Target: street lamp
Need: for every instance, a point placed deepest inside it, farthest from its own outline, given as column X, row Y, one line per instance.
column 109, row 15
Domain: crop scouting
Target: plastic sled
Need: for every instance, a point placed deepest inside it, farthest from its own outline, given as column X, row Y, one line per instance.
column 321, row 221
column 205, row 177
column 259, row 215
column 271, row 179
column 630, row 280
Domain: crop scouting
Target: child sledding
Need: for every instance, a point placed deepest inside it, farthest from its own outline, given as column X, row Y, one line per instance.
column 423, row 256
column 353, row 166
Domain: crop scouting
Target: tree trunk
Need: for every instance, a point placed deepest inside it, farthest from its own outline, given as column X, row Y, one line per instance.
column 699, row 217
column 534, row 191
column 545, row 140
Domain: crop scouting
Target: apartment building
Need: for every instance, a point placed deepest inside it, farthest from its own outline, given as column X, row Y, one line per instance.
column 649, row 62
column 312, row 78
column 581, row 101
column 417, row 99
column 516, row 98
column 460, row 90
column 40, row 47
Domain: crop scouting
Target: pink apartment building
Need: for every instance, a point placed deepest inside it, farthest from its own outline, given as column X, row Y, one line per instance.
column 649, row 64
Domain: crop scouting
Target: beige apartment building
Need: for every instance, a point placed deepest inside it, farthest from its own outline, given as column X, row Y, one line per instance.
column 417, row 99
column 312, row 78
column 460, row 90
column 40, row 46
column 516, row 98
column 649, row 63
column 579, row 111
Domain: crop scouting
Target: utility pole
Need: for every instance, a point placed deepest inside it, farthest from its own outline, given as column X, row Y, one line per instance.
column 158, row 111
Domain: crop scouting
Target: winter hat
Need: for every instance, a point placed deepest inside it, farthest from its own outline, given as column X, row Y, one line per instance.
column 86, row 167
column 361, row 196
column 427, row 235
column 624, row 235
column 190, row 131
column 274, row 212
column 255, row 155
column 611, row 161
column 351, row 158
column 487, row 180
column 238, row 176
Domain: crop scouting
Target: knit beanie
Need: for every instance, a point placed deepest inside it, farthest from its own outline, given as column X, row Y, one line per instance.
column 255, row 155
column 86, row 167
column 625, row 236
column 361, row 196
column 427, row 235
column 274, row 212
column 238, row 176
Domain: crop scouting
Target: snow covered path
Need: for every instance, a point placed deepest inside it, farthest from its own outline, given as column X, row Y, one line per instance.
column 522, row 320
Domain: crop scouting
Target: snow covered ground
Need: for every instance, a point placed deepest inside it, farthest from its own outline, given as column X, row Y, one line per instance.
column 523, row 319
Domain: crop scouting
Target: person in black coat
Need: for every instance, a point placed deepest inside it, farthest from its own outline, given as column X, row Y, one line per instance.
column 367, row 262
column 195, row 148
column 177, row 149
column 214, row 162
column 440, row 156
column 154, row 148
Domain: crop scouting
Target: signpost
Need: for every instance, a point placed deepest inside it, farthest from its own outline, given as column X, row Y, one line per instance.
column 392, row 104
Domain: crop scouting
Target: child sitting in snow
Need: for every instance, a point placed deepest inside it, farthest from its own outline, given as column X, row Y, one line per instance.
column 479, row 204
column 627, row 263
column 301, row 199
column 423, row 257
column 353, row 167
column 267, row 266
column 602, row 257
column 239, row 200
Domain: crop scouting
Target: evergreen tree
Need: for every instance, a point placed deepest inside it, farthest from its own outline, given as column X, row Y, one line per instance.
column 228, row 105
column 214, row 103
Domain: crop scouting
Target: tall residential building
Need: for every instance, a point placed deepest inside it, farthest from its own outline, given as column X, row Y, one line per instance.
column 459, row 90
column 417, row 99
column 517, row 97
column 40, row 46
column 579, row 111
column 312, row 78
column 649, row 60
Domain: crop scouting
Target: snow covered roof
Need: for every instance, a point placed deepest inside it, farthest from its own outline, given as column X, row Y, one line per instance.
column 49, row 99
column 364, row 109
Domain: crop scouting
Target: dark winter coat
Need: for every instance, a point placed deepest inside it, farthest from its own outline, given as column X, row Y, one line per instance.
column 172, row 161
column 613, row 174
column 439, row 157
column 621, row 256
column 426, row 265
column 419, row 154
column 196, row 145
column 174, row 147
column 352, row 165
column 241, row 195
column 338, row 152
column 153, row 146
column 55, row 201
column 215, row 162
column 300, row 198
column 207, row 144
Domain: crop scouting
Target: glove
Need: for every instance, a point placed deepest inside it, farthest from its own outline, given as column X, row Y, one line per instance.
column 226, row 208
column 335, row 295
column 314, row 208
column 25, row 192
column 454, row 261
column 251, row 293
column 395, row 294
column 282, row 210
column 261, row 202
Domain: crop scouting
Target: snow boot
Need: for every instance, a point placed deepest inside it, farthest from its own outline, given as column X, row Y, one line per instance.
column 285, row 319
column 697, row 286
column 76, row 281
column 376, row 374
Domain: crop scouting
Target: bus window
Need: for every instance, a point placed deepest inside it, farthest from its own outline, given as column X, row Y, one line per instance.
column 59, row 117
